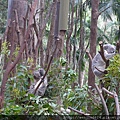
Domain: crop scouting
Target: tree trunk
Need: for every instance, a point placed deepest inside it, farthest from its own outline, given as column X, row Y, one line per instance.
column 17, row 25
column 70, row 30
column 93, row 39
column 81, row 46
column 16, row 11
column 50, row 43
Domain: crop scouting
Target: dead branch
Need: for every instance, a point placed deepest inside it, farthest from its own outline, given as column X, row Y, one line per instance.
column 102, row 99
column 82, row 113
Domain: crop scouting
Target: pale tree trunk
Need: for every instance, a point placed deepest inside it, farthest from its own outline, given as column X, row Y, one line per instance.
column 51, row 43
column 75, row 40
column 93, row 39
column 39, row 51
column 42, row 7
column 16, row 9
column 70, row 30
column 81, row 46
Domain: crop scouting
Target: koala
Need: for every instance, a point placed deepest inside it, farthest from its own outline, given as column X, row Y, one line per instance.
column 38, row 74
column 98, row 64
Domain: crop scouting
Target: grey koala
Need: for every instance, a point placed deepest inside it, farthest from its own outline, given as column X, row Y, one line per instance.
column 38, row 74
column 98, row 62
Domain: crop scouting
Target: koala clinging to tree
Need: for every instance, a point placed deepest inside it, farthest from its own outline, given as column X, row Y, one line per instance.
column 98, row 63
column 38, row 74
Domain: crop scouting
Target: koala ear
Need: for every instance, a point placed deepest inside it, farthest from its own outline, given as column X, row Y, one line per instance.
column 105, row 47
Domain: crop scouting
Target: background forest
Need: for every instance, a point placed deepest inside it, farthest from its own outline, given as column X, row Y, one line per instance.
column 33, row 35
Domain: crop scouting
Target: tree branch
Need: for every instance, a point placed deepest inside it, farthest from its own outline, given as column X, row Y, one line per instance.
column 82, row 113
column 116, row 99
column 102, row 99
column 117, row 103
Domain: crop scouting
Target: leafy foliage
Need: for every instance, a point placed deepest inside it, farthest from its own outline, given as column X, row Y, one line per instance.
column 62, row 90
column 114, row 72
column 3, row 15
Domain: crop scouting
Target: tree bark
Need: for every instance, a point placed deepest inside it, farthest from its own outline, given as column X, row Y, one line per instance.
column 93, row 39
column 70, row 30
column 12, row 62
column 51, row 38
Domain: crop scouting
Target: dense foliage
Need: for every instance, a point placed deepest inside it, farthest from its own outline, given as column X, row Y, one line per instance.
column 3, row 15
column 63, row 90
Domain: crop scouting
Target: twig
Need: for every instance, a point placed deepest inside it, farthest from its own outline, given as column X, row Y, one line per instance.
column 82, row 113
column 102, row 99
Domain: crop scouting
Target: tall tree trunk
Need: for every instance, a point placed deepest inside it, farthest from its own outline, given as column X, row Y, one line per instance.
column 70, row 30
column 16, row 27
column 42, row 7
column 93, row 39
column 50, row 42
column 81, row 46
column 39, row 34
column 16, row 9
